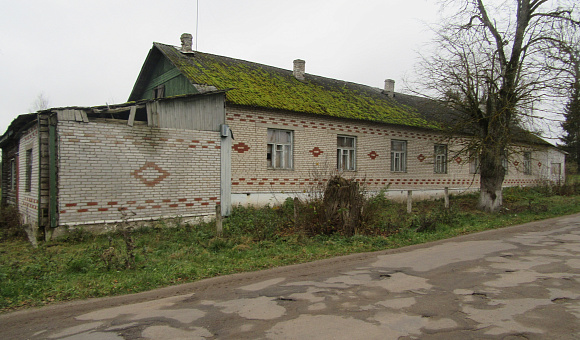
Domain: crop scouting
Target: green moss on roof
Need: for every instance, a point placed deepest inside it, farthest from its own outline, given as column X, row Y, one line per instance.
column 259, row 85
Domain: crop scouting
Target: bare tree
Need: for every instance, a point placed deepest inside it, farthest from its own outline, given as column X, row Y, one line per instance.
column 566, row 59
column 490, row 67
column 40, row 103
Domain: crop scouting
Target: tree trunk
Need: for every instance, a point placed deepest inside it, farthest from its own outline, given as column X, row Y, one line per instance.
column 490, row 196
column 492, row 176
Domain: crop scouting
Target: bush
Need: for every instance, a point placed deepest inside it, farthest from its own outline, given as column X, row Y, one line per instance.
column 10, row 224
column 260, row 223
column 339, row 210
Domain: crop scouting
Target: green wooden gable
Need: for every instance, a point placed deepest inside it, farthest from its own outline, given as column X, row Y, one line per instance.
column 164, row 73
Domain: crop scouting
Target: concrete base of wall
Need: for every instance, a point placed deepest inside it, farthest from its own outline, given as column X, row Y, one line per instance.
column 32, row 233
column 273, row 198
column 113, row 226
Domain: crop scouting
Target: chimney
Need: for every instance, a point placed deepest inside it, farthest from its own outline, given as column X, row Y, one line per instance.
column 299, row 69
column 389, row 87
column 186, row 42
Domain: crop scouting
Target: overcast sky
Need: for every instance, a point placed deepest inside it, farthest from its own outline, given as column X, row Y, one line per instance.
column 87, row 53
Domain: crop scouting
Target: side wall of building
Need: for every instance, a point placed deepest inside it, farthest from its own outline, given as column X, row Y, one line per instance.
column 10, row 174
column 315, row 156
column 28, row 175
column 551, row 164
column 109, row 171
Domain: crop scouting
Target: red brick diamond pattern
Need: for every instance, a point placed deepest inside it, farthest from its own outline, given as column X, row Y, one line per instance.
column 458, row 160
column 150, row 174
column 316, row 151
column 241, row 147
column 421, row 158
column 373, row 155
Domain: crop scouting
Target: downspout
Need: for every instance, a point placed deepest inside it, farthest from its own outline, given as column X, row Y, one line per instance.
column 226, row 170
column 52, row 173
column 39, row 217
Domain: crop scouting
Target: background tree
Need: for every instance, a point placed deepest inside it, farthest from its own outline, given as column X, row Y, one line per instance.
column 490, row 66
column 40, row 103
column 571, row 124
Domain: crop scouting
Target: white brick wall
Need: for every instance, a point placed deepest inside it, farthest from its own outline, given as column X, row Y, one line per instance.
column 28, row 200
column 251, row 175
column 107, row 169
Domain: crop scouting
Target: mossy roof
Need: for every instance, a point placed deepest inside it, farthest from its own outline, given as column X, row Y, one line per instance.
column 253, row 84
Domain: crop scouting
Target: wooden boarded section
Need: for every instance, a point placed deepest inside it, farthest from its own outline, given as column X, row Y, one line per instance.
column 43, row 177
column 204, row 113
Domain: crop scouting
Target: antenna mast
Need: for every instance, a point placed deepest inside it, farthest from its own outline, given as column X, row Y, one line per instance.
column 196, row 22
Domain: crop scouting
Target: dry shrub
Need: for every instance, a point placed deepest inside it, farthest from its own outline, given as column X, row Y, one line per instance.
column 11, row 224
column 338, row 211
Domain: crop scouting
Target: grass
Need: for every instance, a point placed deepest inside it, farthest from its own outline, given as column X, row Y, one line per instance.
column 82, row 265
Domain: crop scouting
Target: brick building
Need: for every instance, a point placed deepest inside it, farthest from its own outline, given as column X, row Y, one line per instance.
column 200, row 129
column 138, row 161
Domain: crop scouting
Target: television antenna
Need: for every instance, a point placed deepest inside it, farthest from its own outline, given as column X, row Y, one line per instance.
column 196, row 22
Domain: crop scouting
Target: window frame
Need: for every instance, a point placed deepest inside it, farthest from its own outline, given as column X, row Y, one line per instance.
column 556, row 166
column 159, row 91
column 440, row 159
column 474, row 164
column 276, row 147
column 12, row 174
column 505, row 164
column 28, row 174
column 527, row 163
column 346, row 151
column 398, row 158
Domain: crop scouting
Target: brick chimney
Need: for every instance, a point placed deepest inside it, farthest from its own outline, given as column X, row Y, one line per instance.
column 186, row 42
column 389, row 87
column 299, row 69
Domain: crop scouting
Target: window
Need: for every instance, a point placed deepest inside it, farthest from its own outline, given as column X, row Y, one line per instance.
column 473, row 164
column 345, row 153
column 279, row 153
column 440, row 159
column 28, row 186
column 556, row 170
column 399, row 155
column 527, row 163
column 159, row 92
column 505, row 164
column 13, row 174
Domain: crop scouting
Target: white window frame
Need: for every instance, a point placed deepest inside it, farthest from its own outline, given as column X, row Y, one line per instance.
column 505, row 163
column 556, row 170
column 28, row 184
column 474, row 164
column 12, row 174
column 279, row 152
column 527, row 163
column 440, row 164
column 346, row 155
column 398, row 157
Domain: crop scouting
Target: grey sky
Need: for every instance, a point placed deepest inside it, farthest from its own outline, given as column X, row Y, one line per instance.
column 87, row 53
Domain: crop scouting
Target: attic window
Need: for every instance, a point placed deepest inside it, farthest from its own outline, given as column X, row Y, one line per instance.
column 159, row 92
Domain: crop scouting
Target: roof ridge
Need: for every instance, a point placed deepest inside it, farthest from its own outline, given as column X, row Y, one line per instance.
column 320, row 77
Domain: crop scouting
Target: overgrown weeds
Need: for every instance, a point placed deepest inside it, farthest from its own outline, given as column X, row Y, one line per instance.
column 10, row 224
column 81, row 264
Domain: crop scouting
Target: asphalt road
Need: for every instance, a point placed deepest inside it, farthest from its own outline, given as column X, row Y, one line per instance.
column 520, row 282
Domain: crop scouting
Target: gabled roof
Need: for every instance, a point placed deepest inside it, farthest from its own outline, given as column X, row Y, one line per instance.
column 258, row 85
